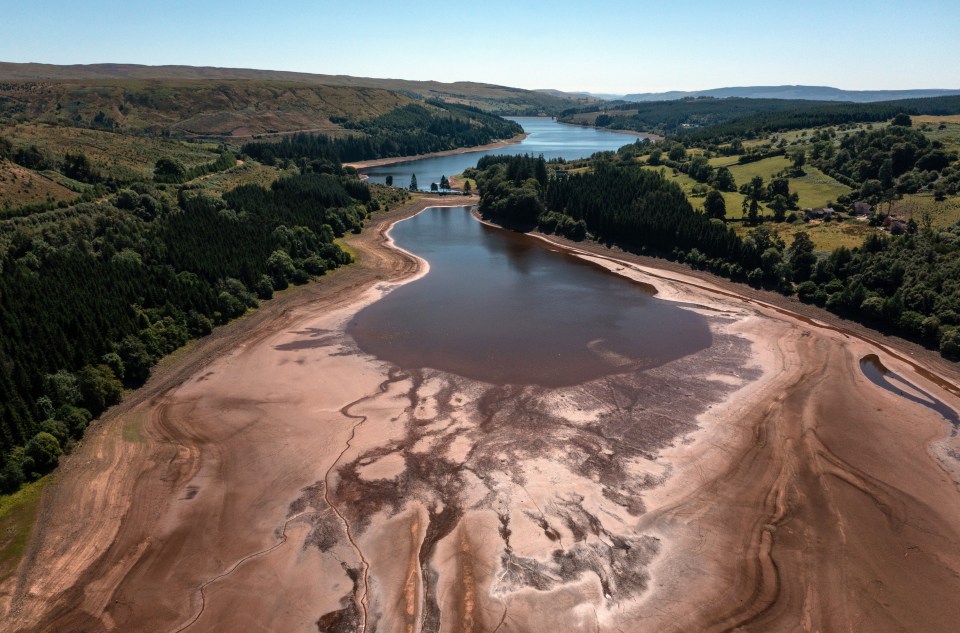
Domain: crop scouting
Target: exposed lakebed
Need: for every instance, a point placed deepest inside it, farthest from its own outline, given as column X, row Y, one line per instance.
column 502, row 308
column 515, row 433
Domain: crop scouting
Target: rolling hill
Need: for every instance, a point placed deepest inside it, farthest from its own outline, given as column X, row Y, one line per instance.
column 183, row 107
column 810, row 93
column 247, row 89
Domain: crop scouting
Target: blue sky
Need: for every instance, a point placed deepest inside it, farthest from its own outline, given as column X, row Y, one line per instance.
column 601, row 46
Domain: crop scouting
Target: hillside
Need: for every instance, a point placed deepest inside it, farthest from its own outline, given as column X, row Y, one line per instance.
column 193, row 107
column 488, row 97
column 809, row 93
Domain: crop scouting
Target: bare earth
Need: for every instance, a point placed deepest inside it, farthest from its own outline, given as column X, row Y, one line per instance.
column 379, row 162
column 275, row 478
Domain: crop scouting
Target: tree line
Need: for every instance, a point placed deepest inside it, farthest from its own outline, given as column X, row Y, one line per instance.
column 93, row 295
column 809, row 116
column 673, row 117
column 705, row 120
column 406, row 131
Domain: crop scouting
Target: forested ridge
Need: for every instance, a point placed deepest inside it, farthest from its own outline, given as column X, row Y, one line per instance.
column 756, row 125
column 93, row 295
column 672, row 117
column 907, row 284
column 406, row 131
column 702, row 119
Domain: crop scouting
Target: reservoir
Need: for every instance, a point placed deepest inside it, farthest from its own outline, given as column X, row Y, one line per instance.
column 544, row 136
column 505, row 308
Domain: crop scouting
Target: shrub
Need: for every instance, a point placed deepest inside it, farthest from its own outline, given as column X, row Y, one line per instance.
column 950, row 344
column 44, row 449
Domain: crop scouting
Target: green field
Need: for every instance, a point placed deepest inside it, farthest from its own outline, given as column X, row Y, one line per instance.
column 949, row 135
column 686, row 182
column 114, row 156
column 799, row 137
column 826, row 236
column 250, row 172
column 815, row 189
column 942, row 213
column 17, row 514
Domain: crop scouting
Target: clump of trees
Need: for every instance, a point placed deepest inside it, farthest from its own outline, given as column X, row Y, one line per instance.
column 676, row 117
column 806, row 114
column 170, row 170
column 893, row 160
column 512, row 187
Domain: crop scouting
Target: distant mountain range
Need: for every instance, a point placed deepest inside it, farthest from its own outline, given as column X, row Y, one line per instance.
column 811, row 93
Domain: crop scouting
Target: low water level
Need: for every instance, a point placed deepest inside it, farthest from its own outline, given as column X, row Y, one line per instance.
column 544, row 136
column 504, row 308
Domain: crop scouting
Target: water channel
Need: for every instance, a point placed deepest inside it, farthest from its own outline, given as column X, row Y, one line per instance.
column 505, row 308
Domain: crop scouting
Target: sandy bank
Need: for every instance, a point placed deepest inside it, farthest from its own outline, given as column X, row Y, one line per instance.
column 656, row 138
column 275, row 477
column 824, row 455
column 379, row 162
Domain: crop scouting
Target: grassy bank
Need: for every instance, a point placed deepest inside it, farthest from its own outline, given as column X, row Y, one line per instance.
column 18, row 512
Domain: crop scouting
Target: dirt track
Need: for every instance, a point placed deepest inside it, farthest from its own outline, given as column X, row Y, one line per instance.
column 273, row 478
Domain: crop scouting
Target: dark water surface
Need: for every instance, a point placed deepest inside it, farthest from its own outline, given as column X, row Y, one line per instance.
column 545, row 136
column 504, row 308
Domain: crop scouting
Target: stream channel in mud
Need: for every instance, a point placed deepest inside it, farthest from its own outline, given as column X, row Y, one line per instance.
column 504, row 308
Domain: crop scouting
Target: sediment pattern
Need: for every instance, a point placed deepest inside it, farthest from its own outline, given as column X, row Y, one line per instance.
column 291, row 483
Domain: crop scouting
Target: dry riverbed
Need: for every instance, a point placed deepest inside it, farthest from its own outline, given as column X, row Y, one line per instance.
column 279, row 479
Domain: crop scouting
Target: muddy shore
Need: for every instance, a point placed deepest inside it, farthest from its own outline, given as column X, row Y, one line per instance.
column 273, row 476
column 379, row 162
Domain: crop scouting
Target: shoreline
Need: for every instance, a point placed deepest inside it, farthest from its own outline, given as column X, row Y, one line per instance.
column 811, row 315
column 776, row 441
column 380, row 162
column 743, row 510
column 654, row 138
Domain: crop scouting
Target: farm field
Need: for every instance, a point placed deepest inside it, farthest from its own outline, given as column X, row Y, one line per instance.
column 815, row 189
